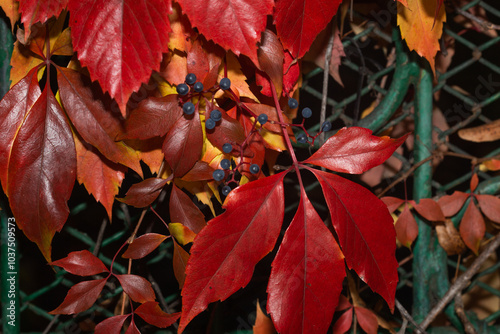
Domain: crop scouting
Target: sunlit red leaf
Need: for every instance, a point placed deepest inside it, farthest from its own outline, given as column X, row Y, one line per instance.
column 184, row 211
column 343, row 323
column 354, row 150
column 183, row 144
column 392, row 203
column 180, row 260
column 292, row 73
column 271, row 59
column 16, row 103
column 263, row 324
column 145, row 192
column 472, row 227
column 203, row 60
column 143, row 245
column 111, row 325
column 137, row 288
column 299, row 22
column 233, row 24
column 490, row 206
column 406, row 228
column 367, row 319
column 358, row 216
column 120, row 41
column 153, row 314
column 220, row 261
column 421, row 24
column 80, row 297
column 307, row 274
column 92, row 119
column 82, row 263
column 41, row 171
column 153, row 117
column 100, row 176
column 181, row 29
column 451, row 204
column 429, row 209
column 33, row 11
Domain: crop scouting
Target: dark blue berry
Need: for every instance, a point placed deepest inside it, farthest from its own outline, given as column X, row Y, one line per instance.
column 226, row 190
column 225, row 164
column 262, row 119
column 326, row 126
column 209, row 124
column 216, row 115
column 301, row 138
column 292, row 103
column 254, row 168
column 218, row 174
column 307, row 112
column 225, row 83
column 188, row 108
column 182, row 89
column 227, row 148
column 198, row 87
column 190, row 78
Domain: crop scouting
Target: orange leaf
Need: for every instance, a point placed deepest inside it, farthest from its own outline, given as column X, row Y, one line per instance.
column 100, row 176
column 418, row 28
column 490, row 206
column 493, row 165
column 472, row 227
column 473, row 182
column 429, row 209
column 406, row 228
column 11, row 9
column 263, row 324
column 181, row 233
column 450, row 204
column 392, row 203
column 179, row 262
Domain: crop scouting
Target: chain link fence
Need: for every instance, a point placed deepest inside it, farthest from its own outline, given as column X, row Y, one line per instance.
column 380, row 77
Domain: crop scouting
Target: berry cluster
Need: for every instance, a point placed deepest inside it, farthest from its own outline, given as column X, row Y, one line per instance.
column 192, row 88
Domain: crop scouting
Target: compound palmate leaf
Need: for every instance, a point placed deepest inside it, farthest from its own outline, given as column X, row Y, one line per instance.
column 233, row 24
column 354, row 150
column 120, row 41
column 307, row 274
column 365, row 231
column 225, row 252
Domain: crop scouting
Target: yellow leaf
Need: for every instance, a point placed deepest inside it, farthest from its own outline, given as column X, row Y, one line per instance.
column 11, row 9
column 238, row 79
column 181, row 233
column 418, row 28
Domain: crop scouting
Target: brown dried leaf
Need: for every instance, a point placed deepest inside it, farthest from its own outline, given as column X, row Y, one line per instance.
column 483, row 133
column 449, row 238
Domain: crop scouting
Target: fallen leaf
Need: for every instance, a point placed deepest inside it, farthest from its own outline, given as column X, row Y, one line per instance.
column 483, row 133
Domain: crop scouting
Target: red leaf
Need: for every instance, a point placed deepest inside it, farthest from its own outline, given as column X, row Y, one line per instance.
column 354, row 150
column 429, row 209
column 144, row 193
column 80, row 297
column 180, row 261
column 343, row 303
column 17, row 102
column 292, row 73
column 183, row 144
column 307, row 274
column 299, row 22
column 42, row 169
column 111, row 325
column 34, row 11
column 143, row 245
column 228, row 130
column 91, row 118
column 137, row 288
column 201, row 171
column 82, row 263
column 472, row 227
column 392, row 203
column 100, row 176
column 367, row 319
column 343, row 323
column 365, row 231
column 132, row 328
column 233, row 24
column 154, row 116
column 271, row 59
column 406, row 228
column 220, row 261
column 153, row 314
column 120, row 41
column 451, row 204
column 473, row 181
column 490, row 206
column 184, row 211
